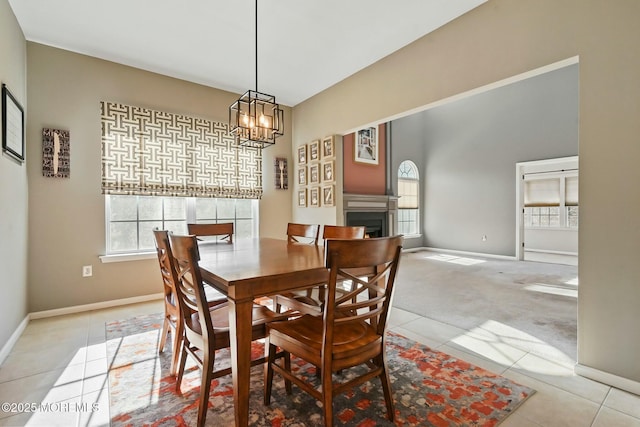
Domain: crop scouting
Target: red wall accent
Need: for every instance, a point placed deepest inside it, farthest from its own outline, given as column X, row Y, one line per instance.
column 360, row 178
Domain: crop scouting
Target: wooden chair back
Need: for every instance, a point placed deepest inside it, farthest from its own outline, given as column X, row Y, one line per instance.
column 303, row 233
column 223, row 229
column 166, row 268
column 171, row 306
column 351, row 331
column 190, row 291
column 370, row 295
column 343, row 232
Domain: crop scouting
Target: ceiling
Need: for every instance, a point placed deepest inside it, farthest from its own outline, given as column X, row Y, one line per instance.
column 304, row 46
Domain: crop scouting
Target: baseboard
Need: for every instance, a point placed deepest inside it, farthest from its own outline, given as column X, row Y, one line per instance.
column 465, row 253
column 607, row 378
column 6, row 349
column 93, row 306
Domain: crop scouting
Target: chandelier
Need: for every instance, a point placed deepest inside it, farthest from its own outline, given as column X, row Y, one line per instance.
column 255, row 119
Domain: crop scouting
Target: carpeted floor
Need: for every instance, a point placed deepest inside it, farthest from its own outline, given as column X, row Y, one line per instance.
column 430, row 388
column 537, row 299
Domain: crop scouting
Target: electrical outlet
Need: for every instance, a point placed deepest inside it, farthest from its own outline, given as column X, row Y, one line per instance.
column 484, row 237
column 87, row 271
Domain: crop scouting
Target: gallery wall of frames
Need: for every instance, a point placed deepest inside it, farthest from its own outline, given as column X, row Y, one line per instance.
column 316, row 173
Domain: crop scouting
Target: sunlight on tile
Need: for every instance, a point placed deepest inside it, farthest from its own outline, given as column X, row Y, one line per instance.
column 553, row 290
column 506, row 345
column 455, row 259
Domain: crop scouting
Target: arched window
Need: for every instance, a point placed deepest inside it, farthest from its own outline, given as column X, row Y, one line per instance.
column 409, row 201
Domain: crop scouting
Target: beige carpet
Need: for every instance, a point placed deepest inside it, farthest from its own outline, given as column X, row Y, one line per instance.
column 537, row 299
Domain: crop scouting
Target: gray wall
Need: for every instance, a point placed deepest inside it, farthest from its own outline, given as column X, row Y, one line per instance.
column 467, row 150
column 13, row 186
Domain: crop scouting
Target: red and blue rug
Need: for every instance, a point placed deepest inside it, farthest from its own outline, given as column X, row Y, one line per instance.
column 430, row 388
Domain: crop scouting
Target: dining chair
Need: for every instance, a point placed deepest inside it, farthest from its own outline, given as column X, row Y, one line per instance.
column 223, row 229
column 171, row 307
column 348, row 333
column 303, row 233
column 310, row 300
column 206, row 329
column 343, row 232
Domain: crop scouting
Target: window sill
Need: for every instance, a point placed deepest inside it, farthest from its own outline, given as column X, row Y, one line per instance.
column 412, row 236
column 551, row 228
column 105, row 259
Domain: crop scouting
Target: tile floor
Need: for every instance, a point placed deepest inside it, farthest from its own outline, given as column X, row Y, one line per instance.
column 60, row 364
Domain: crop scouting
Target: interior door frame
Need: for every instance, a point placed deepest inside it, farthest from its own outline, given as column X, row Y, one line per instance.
column 534, row 166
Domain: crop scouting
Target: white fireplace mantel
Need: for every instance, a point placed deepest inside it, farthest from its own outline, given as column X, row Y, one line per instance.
column 372, row 203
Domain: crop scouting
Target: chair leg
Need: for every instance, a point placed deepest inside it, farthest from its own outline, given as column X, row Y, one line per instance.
column 165, row 332
column 205, row 387
column 386, row 386
column 270, row 351
column 327, row 396
column 183, row 362
column 287, row 366
column 178, row 338
column 277, row 307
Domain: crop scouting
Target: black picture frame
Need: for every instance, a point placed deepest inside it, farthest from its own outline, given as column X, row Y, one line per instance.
column 12, row 125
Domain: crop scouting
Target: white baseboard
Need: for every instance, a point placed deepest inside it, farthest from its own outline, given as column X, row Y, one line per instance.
column 6, row 349
column 465, row 253
column 607, row 378
column 93, row 306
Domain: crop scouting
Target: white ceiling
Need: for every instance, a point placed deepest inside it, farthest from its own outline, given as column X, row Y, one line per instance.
column 304, row 46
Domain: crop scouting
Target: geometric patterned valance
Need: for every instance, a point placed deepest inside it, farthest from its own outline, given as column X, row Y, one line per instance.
column 154, row 153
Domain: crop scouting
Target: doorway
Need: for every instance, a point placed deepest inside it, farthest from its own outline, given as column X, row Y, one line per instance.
column 547, row 210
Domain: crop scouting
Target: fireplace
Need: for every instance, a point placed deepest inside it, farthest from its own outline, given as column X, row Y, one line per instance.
column 375, row 223
column 377, row 213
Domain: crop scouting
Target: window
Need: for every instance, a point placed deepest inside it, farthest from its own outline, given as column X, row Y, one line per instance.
column 131, row 219
column 409, row 198
column 165, row 170
column 551, row 201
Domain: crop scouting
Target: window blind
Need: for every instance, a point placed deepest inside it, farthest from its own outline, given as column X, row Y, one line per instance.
column 542, row 192
column 408, row 192
column 154, row 153
column 571, row 191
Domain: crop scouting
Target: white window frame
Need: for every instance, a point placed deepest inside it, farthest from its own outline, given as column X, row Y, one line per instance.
column 522, row 168
column 190, row 206
column 417, row 180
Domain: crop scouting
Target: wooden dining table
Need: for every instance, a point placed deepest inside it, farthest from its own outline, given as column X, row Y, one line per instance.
column 245, row 270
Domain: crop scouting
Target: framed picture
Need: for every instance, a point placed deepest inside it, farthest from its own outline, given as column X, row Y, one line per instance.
column 314, row 174
column 366, row 146
column 328, row 195
column 328, row 147
column 328, row 171
column 302, row 175
column 302, row 154
column 12, row 125
column 302, row 198
column 314, row 150
column 314, row 197
column 282, row 178
column 56, row 153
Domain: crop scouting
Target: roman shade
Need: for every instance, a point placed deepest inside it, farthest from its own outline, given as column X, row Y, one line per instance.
column 571, row 191
column 155, row 153
column 542, row 192
column 408, row 192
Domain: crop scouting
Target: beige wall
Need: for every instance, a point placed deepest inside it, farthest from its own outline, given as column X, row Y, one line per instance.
column 503, row 38
column 13, row 186
column 66, row 225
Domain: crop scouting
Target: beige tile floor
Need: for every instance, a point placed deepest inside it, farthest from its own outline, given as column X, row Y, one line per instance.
column 60, row 364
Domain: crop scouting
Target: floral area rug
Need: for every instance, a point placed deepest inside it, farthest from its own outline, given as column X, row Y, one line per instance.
column 430, row 388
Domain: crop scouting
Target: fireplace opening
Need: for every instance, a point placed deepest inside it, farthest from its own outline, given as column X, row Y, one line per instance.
column 375, row 223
